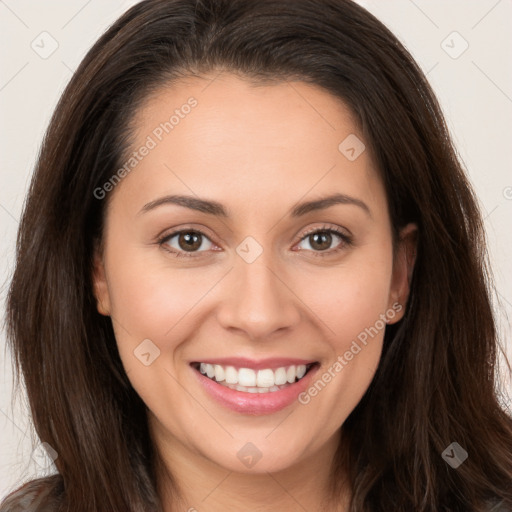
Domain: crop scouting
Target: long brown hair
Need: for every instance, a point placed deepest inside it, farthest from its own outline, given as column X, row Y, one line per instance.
column 436, row 380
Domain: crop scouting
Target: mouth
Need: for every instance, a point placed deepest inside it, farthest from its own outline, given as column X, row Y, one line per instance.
column 254, row 380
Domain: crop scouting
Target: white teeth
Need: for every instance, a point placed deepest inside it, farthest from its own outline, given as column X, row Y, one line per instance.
column 280, row 377
column 231, row 375
column 219, row 373
column 254, row 389
column 253, row 381
column 265, row 378
column 246, row 377
column 291, row 374
column 210, row 370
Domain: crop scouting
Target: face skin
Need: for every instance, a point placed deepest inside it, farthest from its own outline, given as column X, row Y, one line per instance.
column 259, row 151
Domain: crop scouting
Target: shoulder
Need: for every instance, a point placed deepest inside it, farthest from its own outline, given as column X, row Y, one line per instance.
column 34, row 496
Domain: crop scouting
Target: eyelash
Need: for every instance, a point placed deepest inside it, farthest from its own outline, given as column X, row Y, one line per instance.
column 346, row 241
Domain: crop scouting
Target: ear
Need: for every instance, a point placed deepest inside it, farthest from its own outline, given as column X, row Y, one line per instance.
column 99, row 281
column 403, row 266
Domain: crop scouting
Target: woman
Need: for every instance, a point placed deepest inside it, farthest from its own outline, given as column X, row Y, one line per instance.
column 251, row 275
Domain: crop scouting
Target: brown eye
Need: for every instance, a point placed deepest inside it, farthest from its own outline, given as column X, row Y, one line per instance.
column 183, row 242
column 189, row 241
column 322, row 240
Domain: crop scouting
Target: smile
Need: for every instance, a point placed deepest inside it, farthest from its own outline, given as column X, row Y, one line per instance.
column 254, row 387
column 248, row 380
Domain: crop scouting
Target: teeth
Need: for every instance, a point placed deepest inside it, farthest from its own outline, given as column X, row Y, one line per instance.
column 253, row 381
column 231, row 375
column 280, row 377
column 301, row 371
column 265, row 378
column 246, row 377
column 220, row 374
column 254, row 389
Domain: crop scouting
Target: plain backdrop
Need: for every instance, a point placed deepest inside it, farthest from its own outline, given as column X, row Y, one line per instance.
column 464, row 46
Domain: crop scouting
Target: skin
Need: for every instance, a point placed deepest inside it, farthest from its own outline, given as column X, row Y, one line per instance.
column 258, row 151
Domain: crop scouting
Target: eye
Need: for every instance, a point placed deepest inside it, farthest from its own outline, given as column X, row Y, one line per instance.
column 321, row 240
column 186, row 242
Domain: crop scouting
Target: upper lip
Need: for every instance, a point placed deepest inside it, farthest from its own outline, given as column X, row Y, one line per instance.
column 259, row 364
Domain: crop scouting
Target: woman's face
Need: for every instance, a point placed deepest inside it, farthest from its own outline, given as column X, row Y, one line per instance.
column 284, row 265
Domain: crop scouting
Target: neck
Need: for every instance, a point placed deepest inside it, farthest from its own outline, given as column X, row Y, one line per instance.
column 189, row 482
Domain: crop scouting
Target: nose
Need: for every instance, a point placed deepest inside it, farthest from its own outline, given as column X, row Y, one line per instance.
column 258, row 300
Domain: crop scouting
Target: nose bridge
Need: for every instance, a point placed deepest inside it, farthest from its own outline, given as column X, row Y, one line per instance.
column 257, row 302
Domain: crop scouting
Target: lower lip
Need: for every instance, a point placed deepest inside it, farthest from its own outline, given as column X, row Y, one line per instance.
column 255, row 403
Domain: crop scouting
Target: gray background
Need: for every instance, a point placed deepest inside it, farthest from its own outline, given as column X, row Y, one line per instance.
column 474, row 85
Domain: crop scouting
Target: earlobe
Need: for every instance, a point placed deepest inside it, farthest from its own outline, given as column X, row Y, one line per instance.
column 100, row 286
column 403, row 267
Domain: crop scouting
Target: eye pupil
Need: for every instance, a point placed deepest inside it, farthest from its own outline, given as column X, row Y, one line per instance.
column 320, row 237
column 189, row 241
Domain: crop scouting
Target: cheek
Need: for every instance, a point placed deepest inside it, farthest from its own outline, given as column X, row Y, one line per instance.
column 150, row 300
column 350, row 298
column 351, row 304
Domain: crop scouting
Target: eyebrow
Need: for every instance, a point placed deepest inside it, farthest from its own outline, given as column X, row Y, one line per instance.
column 215, row 208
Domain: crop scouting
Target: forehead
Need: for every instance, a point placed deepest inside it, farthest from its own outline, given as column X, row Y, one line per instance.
column 221, row 135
